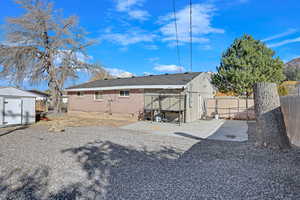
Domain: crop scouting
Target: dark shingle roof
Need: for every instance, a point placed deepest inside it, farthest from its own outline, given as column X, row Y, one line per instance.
column 165, row 79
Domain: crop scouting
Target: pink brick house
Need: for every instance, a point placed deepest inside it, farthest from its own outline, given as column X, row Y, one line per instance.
column 135, row 96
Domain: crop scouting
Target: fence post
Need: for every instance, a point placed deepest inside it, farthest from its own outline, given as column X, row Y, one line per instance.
column 238, row 106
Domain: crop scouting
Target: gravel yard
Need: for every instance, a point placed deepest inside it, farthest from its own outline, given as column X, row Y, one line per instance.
column 111, row 163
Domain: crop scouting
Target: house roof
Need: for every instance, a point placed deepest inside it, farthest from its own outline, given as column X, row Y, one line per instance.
column 39, row 93
column 178, row 79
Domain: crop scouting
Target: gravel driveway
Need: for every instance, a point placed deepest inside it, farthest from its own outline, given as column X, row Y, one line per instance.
column 111, row 163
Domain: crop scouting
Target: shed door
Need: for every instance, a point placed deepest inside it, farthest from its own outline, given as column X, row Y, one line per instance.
column 12, row 111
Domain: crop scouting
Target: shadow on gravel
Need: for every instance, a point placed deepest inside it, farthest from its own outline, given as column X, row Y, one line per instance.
column 188, row 136
column 11, row 130
column 210, row 169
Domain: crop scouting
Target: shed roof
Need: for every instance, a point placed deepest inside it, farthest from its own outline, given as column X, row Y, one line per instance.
column 165, row 79
column 15, row 92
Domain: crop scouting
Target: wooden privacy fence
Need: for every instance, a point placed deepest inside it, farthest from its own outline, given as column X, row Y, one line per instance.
column 290, row 106
column 230, row 108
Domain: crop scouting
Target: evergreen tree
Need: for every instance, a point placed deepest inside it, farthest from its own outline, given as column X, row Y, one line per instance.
column 246, row 62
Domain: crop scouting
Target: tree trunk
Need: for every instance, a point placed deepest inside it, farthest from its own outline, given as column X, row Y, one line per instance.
column 56, row 95
column 271, row 130
column 56, row 100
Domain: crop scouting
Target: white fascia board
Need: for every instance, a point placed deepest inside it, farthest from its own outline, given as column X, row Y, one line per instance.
column 129, row 87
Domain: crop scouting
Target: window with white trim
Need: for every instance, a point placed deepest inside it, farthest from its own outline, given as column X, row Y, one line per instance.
column 98, row 95
column 124, row 93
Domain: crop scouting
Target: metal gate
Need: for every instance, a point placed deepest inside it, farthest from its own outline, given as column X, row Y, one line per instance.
column 12, row 111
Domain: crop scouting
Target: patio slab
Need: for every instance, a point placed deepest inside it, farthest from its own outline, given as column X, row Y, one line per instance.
column 225, row 130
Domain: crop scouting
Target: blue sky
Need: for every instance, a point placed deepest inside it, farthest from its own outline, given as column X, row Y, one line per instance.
column 138, row 36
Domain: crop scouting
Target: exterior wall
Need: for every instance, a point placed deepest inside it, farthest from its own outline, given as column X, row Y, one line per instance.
column 28, row 110
column 111, row 103
column 1, row 110
column 230, row 108
column 290, row 107
column 197, row 90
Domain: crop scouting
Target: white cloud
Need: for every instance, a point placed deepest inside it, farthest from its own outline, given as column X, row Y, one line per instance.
column 284, row 42
column 116, row 72
column 125, row 5
column 139, row 14
column 151, row 47
column 280, row 35
column 201, row 18
column 129, row 37
column 132, row 8
column 153, row 59
column 169, row 68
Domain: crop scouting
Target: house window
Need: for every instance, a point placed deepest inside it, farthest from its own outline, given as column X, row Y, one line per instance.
column 98, row 96
column 124, row 93
column 80, row 94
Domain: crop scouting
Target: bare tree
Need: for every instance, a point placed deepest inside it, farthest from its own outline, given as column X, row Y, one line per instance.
column 41, row 45
column 100, row 73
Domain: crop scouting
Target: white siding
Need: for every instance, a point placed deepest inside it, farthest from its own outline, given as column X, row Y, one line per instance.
column 12, row 111
column 25, row 109
column 28, row 111
column 197, row 90
column 1, row 110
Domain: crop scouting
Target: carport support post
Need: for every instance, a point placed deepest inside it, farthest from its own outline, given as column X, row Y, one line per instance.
column 152, row 112
column 179, row 113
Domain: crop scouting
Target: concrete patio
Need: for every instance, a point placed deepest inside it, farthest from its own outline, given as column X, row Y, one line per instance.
column 225, row 130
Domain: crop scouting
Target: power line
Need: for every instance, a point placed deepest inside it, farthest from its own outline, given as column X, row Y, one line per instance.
column 191, row 37
column 176, row 32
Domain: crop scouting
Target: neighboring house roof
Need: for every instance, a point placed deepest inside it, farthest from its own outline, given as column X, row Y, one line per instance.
column 39, row 93
column 151, row 81
column 15, row 92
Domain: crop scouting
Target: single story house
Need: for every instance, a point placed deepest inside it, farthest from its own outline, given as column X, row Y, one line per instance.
column 170, row 97
column 16, row 106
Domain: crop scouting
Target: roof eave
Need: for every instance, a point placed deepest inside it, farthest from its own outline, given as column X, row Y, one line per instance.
column 128, row 87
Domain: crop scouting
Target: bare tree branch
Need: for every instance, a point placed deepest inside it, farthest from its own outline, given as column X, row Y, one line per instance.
column 41, row 45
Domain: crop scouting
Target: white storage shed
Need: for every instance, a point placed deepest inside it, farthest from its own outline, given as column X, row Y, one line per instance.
column 16, row 106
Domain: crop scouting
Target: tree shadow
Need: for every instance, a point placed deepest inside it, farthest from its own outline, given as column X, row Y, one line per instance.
column 27, row 185
column 112, row 171
column 12, row 129
column 210, row 169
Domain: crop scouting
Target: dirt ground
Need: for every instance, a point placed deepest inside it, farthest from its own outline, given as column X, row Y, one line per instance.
column 57, row 123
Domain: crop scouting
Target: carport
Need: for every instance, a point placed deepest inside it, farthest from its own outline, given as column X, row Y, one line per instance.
column 16, row 106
